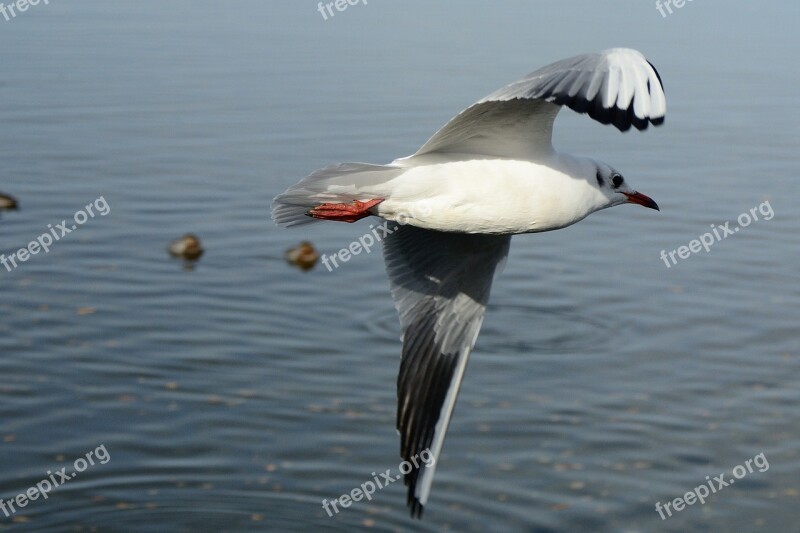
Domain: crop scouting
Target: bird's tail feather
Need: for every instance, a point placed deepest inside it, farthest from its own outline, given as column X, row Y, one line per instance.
column 336, row 184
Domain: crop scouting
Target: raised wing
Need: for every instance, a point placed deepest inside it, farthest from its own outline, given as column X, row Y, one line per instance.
column 440, row 283
column 617, row 86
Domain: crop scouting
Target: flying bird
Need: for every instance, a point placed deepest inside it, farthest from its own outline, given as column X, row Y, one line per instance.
column 491, row 172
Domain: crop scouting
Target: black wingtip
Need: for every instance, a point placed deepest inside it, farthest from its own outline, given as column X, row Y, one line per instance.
column 652, row 66
column 415, row 508
column 414, row 505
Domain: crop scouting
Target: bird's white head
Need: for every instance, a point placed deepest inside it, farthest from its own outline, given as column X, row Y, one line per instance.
column 613, row 187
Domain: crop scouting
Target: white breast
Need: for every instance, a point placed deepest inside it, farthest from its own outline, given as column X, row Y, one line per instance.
column 500, row 196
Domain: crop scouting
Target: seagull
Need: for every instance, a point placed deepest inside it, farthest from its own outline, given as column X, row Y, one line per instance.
column 491, row 172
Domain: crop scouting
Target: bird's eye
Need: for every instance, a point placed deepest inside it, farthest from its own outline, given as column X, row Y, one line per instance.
column 617, row 180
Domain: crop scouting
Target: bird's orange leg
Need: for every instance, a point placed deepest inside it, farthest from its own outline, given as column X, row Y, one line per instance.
column 344, row 212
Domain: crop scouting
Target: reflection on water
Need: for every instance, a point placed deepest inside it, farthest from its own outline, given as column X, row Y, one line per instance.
column 239, row 393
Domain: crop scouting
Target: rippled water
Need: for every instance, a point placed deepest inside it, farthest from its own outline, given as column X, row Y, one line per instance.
column 238, row 394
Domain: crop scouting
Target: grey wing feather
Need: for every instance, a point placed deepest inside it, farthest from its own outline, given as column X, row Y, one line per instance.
column 617, row 86
column 440, row 283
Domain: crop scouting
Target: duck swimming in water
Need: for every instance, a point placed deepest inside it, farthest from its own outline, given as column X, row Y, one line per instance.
column 8, row 202
column 303, row 256
column 187, row 247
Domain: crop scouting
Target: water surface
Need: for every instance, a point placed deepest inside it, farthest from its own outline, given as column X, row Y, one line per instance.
column 238, row 394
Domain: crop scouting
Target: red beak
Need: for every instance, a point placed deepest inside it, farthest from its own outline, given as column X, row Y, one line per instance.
column 641, row 199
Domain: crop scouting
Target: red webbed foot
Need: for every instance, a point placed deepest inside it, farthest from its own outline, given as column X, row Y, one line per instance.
column 344, row 212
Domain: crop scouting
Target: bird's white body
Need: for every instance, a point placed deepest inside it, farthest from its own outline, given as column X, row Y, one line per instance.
column 490, row 195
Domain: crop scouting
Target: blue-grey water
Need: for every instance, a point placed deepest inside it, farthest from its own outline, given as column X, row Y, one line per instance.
column 238, row 393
